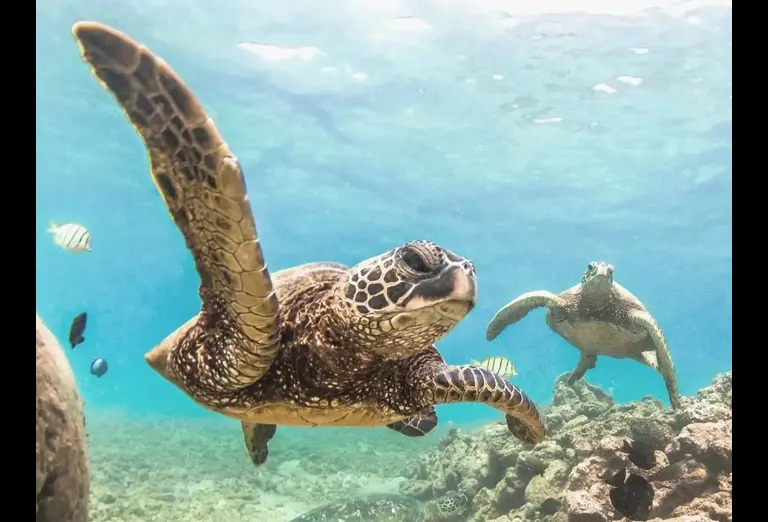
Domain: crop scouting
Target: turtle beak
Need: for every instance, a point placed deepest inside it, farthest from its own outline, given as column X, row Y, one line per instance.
column 465, row 285
column 464, row 295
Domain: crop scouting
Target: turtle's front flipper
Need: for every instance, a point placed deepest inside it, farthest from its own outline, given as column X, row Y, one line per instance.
column 257, row 437
column 473, row 384
column 416, row 425
column 586, row 362
column 518, row 308
column 236, row 336
column 663, row 357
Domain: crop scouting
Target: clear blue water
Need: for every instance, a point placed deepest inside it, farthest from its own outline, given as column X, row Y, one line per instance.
column 480, row 128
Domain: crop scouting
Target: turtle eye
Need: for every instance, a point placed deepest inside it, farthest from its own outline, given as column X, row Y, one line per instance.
column 591, row 267
column 415, row 261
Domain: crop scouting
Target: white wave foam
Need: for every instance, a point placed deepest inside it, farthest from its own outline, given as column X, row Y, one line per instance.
column 630, row 80
column 604, row 87
column 275, row 53
column 407, row 24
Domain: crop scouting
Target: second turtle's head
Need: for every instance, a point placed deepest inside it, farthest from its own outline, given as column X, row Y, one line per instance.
column 598, row 278
column 452, row 503
column 407, row 298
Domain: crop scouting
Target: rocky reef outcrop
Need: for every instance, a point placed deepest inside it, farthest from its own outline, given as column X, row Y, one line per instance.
column 62, row 479
column 563, row 479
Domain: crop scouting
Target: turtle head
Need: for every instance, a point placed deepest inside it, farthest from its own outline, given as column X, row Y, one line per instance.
column 597, row 281
column 452, row 504
column 407, row 298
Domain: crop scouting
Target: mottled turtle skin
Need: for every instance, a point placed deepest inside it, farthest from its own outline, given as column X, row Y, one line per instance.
column 316, row 345
column 599, row 317
column 390, row 508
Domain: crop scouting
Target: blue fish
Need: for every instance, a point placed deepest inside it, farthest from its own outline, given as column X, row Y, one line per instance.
column 99, row 367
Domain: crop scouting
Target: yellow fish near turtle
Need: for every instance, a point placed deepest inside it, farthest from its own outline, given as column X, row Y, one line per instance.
column 501, row 366
column 71, row 236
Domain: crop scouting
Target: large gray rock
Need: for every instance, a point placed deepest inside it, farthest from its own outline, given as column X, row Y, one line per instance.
column 62, row 479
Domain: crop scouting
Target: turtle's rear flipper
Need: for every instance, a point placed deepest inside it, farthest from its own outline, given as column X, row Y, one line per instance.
column 257, row 437
column 586, row 362
column 416, row 425
column 473, row 384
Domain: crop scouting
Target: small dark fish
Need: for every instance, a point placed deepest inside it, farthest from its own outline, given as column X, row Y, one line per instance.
column 671, row 472
column 77, row 329
column 616, row 479
column 550, row 506
column 98, row 367
column 640, row 454
column 634, row 499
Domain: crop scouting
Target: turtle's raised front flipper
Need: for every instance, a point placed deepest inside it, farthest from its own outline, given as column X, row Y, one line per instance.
column 472, row 384
column 257, row 437
column 518, row 308
column 202, row 184
column 416, row 425
column 586, row 362
column 663, row 356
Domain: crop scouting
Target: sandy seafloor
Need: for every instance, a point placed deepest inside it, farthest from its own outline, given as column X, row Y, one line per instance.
column 175, row 470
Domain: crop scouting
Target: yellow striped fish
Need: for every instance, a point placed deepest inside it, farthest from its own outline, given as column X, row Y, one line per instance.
column 71, row 236
column 501, row 366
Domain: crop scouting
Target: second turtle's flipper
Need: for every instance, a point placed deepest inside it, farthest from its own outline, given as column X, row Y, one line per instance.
column 586, row 362
column 648, row 359
column 663, row 356
column 518, row 308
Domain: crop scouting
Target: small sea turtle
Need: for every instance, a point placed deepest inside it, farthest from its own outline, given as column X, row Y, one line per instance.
column 390, row 508
column 320, row 344
column 599, row 317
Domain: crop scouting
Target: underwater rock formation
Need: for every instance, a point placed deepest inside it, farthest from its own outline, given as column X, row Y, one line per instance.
column 62, row 477
column 563, row 478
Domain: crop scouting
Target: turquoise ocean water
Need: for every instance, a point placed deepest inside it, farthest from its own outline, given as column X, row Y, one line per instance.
column 530, row 140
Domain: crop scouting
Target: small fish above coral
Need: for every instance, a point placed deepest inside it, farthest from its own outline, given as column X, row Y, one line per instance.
column 501, row 366
column 77, row 329
column 71, row 236
column 632, row 498
column 615, row 479
column 99, row 367
column 639, row 453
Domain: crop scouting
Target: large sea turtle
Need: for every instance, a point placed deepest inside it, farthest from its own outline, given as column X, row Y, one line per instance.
column 599, row 317
column 380, row 507
column 320, row 344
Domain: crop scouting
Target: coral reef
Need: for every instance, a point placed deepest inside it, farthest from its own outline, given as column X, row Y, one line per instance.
column 153, row 468
column 563, row 478
column 62, row 478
